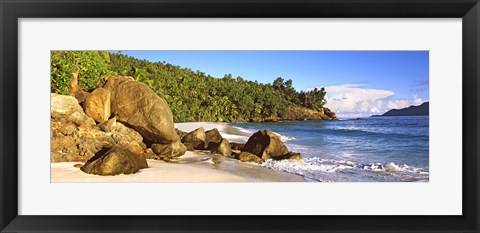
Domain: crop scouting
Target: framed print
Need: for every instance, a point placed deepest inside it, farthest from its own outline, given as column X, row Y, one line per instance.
column 310, row 116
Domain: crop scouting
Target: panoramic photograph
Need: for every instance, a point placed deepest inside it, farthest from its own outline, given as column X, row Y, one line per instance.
column 239, row 116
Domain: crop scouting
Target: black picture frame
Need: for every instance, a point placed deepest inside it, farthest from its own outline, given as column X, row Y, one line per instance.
column 12, row 10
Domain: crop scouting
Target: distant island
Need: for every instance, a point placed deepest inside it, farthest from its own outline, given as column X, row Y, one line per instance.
column 421, row 110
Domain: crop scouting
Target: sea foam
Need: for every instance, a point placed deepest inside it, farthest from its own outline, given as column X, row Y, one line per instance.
column 284, row 138
column 313, row 168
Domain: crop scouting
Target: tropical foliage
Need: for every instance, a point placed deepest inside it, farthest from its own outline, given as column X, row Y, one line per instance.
column 192, row 95
column 92, row 65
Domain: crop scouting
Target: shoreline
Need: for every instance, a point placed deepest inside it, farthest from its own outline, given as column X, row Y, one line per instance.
column 194, row 166
column 203, row 166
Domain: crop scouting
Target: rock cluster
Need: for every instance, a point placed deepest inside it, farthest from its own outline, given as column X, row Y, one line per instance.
column 120, row 124
column 261, row 146
column 210, row 140
column 128, row 114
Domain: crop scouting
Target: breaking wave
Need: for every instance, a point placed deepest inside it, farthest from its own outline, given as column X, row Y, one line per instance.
column 284, row 138
column 330, row 169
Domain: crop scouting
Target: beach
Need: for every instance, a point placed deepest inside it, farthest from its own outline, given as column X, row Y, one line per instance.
column 332, row 152
column 194, row 166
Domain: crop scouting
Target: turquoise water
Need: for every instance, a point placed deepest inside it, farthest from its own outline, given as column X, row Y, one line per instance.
column 371, row 149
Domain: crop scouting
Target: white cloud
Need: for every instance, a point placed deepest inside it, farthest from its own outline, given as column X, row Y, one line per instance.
column 417, row 100
column 395, row 104
column 358, row 100
column 348, row 98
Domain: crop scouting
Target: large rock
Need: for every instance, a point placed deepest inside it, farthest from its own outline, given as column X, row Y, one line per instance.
column 97, row 105
column 172, row 150
column 195, row 139
column 136, row 105
column 67, row 109
column 265, row 144
column 213, row 136
column 216, row 144
column 114, row 161
column 222, row 147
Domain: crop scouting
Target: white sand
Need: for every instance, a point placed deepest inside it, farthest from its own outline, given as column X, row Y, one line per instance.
column 192, row 167
column 227, row 131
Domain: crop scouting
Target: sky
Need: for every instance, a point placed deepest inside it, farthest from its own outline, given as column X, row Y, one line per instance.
column 358, row 83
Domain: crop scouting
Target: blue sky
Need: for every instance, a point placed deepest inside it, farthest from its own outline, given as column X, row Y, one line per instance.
column 358, row 83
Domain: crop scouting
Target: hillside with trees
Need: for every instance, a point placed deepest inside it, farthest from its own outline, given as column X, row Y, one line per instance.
column 192, row 95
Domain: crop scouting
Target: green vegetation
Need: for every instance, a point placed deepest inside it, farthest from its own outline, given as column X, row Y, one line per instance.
column 92, row 66
column 192, row 95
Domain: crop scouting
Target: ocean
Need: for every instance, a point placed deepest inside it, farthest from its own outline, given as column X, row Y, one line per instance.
column 372, row 149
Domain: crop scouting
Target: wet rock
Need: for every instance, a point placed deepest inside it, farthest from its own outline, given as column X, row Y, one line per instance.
column 223, row 148
column 265, row 144
column 290, row 156
column 248, row 157
column 195, row 139
column 212, row 136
